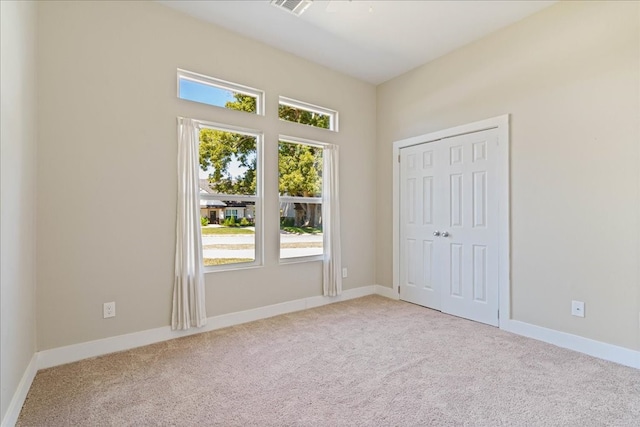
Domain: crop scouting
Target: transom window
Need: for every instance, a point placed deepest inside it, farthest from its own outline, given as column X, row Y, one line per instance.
column 219, row 93
column 307, row 114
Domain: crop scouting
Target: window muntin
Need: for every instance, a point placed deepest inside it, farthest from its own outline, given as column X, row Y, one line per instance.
column 307, row 114
column 219, row 93
column 230, row 196
column 300, row 187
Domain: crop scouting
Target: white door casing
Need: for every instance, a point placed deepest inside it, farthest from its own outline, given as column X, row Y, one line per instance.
column 454, row 183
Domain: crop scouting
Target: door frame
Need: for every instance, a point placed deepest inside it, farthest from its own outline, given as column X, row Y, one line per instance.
column 501, row 123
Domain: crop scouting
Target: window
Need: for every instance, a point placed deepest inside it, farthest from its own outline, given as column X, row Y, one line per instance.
column 300, row 186
column 208, row 90
column 230, row 195
column 230, row 178
column 307, row 114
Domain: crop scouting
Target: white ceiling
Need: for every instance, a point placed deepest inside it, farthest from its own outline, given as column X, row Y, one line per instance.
column 371, row 40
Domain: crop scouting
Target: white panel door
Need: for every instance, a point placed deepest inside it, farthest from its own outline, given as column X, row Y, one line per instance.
column 448, row 230
column 419, row 275
column 470, row 229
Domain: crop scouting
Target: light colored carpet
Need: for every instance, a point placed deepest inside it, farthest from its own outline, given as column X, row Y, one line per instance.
column 365, row 362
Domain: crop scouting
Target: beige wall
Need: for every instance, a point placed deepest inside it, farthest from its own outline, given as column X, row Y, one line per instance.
column 18, row 195
column 570, row 78
column 108, row 107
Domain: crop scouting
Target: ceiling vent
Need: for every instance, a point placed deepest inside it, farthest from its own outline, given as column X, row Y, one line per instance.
column 293, row 6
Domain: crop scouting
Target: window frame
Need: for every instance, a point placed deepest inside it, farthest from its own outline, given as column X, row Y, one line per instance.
column 220, row 84
column 301, row 105
column 293, row 199
column 258, row 199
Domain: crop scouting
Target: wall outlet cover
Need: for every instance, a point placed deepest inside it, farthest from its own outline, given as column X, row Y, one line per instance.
column 109, row 309
column 577, row 308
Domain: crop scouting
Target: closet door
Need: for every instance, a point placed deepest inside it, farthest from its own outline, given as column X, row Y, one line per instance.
column 421, row 174
column 448, row 228
column 469, row 286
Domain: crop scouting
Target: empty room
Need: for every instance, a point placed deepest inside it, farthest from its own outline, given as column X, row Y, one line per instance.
column 320, row 213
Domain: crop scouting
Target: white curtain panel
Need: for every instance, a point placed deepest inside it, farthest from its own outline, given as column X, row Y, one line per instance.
column 332, row 264
column 188, row 288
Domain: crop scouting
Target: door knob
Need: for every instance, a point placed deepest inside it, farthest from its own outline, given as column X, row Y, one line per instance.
column 436, row 233
column 445, row 234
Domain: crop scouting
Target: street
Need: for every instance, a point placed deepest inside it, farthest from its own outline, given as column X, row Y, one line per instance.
column 243, row 245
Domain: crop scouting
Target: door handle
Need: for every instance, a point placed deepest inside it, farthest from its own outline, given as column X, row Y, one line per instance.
column 436, row 233
column 445, row 234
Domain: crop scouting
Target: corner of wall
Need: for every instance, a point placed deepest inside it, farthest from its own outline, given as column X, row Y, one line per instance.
column 18, row 79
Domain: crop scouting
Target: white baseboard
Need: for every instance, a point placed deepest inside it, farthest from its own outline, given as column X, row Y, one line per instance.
column 601, row 350
column 13, row 412
column 610, row 352
column 388, row 292
column 75, row 352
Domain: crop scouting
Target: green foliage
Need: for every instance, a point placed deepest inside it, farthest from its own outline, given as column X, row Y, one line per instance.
column 230, row 222
column 218, row 149
column 302, row 230
column 300, row 170
column 300, row 175
column 286, row 222
column 297, row 115
column 233, row 222
column 242, row 103
column 300, row 165
column 204, row 221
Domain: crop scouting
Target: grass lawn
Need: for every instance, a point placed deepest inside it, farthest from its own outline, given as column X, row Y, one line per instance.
column 301, row 230
column 226, row 230
column 230, row 246
column 239, row 246
column 222, row 261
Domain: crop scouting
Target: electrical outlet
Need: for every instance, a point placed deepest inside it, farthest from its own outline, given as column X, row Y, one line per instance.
column 109, row 309
column 577, row 308
column 344, row 273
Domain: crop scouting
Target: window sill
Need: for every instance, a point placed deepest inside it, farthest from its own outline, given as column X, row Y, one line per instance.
column 231, row 267
column 298, row 260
